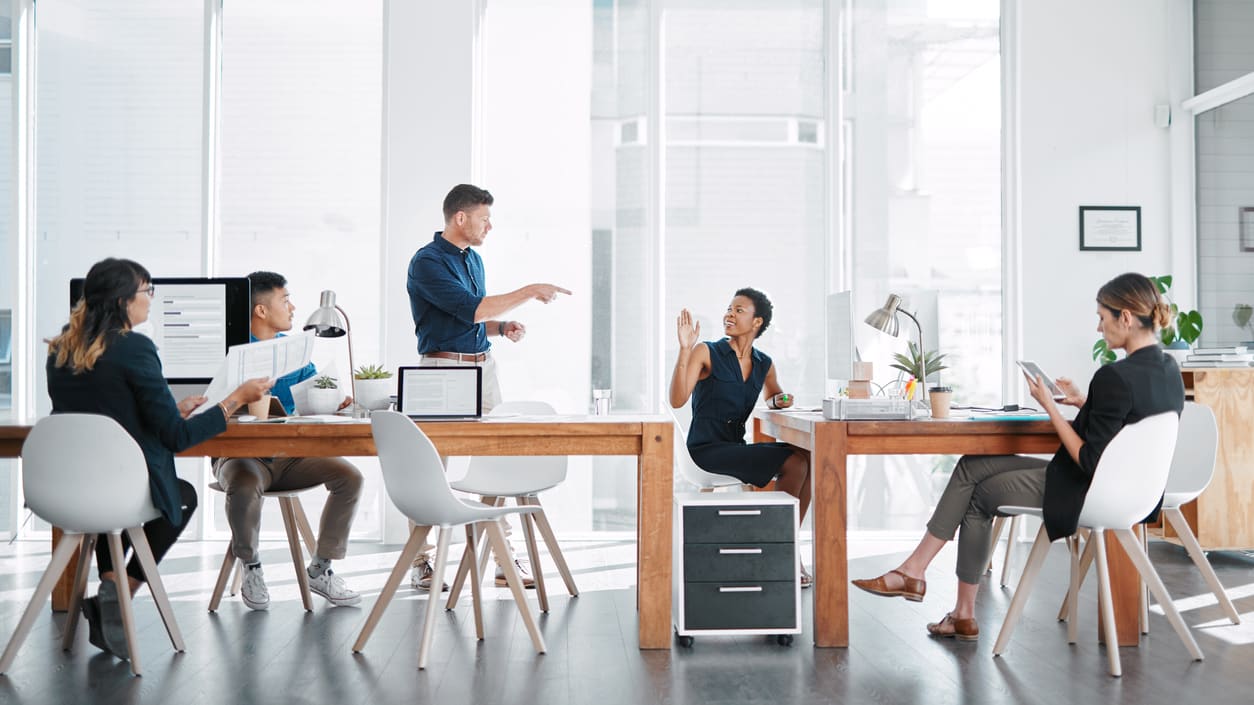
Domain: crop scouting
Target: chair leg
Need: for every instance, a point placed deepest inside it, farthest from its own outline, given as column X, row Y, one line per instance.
column 428, row 624
column 86, row 551
column 1143, row 598
column 1105, row 603
column 555, row 551
column 159, row 597
column 1040, row 549
column 463, row 570
column 224, row 574
column 123, row 583
column 484, row 550
column 389, row 590
column 476, row 581
column 496, row 538
column 1073, row 621
column 1015, row 522
column 298, row 559
column 1150, row 576
column 302, row 523
column 60, row 559
column 1182, row 529
column 533, row 554
column 237, row 580
column 1086, row 562
column 998, row 524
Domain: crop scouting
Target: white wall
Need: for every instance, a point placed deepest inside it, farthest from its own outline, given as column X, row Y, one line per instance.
column 1090, row 76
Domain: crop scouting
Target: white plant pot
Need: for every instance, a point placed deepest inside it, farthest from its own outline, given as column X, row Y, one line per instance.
column 375, row 394
column 324, row 401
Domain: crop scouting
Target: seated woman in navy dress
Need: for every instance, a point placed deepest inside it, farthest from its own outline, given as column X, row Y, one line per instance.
column 724, row 379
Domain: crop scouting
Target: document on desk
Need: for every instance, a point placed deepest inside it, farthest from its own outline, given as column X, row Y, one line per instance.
column 265, row 358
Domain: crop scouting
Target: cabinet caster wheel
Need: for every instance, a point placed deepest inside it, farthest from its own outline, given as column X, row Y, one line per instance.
column 686, row 642
column 784, row 639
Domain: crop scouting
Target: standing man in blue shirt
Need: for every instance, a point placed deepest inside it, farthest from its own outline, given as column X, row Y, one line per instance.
column 454, row 316
column 244, row 479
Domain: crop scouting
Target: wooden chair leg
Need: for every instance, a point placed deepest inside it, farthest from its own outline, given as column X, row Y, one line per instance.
column 1143, row 598
column 998, row 524
column 1182, row 529
column 463, row 570
column 237, row 579
column 1015, row 522
column 1073, row 621
column 86, row 552
column 476, row 581
column 428, row 624
column 159, row 597
column 60, row 558
column 555, row 551
column 1040, row 549
column 1150, row 576
column 302, row 523
column 533, row 554
column 1105, row 603
column 123, row 583
column 224, row 574
column 389, row 589
column 298, row 559
column 496, row 537
column 1086, row 562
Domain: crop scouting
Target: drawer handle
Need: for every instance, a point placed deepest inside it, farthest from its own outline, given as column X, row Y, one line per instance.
column 755, row 588
column 739, row 551
column 739, row 512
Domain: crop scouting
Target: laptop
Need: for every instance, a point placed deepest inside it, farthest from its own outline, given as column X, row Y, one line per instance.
column 440, row 393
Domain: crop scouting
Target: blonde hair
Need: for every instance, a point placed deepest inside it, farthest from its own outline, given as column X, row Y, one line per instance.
column 1136, row 294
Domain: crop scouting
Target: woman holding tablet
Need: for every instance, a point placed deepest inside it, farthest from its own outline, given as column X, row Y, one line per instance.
column 1145, row 382
column 724, row 379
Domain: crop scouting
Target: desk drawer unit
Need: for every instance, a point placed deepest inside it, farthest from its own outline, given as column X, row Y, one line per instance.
column 736, row 565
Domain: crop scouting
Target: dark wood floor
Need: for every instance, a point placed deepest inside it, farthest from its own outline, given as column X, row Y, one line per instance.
column 287, row 656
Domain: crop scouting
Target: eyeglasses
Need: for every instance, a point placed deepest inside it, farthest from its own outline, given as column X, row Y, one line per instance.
column 150, row 290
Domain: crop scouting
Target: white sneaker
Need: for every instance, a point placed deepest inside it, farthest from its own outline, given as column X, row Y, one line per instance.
column 421, row 574
column 332, row 587
column 253, row 590
column 528, row 582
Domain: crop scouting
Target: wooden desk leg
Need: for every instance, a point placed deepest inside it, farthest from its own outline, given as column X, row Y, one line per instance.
column 654, row 492
column 831, row 556
column 1125, row 593
column 64, row 589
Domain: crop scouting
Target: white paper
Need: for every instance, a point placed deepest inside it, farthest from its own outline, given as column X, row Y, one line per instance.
column 266, row 358
column 300, row 395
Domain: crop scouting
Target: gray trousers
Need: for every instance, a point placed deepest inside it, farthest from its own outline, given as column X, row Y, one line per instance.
column 244, row 479
column 979, row 485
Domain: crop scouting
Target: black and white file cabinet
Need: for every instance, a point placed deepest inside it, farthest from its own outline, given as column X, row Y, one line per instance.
column 736, row 565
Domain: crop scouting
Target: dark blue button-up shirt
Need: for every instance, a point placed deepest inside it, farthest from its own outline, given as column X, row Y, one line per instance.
column 445, row 287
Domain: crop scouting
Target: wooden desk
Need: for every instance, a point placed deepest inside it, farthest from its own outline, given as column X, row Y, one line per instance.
column 649, row 438
column 832, row 442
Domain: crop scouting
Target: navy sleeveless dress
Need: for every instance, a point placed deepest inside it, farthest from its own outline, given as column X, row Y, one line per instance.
column 721, row 404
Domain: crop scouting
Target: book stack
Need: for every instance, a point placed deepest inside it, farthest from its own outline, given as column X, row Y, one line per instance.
column 1231, row 356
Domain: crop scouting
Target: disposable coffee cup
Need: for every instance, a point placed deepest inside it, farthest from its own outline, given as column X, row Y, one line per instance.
column 260, row 408
column 940, row 398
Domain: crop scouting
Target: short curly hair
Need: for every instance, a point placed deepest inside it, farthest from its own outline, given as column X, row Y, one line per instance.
column 762, row 307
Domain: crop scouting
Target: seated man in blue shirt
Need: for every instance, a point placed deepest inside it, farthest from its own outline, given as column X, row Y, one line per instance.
column 245, row 479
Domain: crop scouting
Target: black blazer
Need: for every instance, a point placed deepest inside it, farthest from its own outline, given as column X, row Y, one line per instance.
column 1145, row 383
column 127, row 385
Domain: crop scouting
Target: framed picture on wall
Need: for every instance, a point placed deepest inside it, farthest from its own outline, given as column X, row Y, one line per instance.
column 1110, row 228
column 1246, row 223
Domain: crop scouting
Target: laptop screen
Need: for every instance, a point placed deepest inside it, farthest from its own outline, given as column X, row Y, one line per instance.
column 440, row 392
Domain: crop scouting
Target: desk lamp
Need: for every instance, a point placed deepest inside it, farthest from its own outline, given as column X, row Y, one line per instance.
column 885, row 319
column 330, row 321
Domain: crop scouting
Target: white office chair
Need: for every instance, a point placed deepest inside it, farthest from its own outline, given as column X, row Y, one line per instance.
column 294, row 522
column 690, row 472
column 415, row 481
column 1192, row 467
column 1000, row 523
column 1129, row 479
column 523, row 478
column 85, row 474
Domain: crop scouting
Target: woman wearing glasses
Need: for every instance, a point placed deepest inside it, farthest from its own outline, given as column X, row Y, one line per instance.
column 99, row 366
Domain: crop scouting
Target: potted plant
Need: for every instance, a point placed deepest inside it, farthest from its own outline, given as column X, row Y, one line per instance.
column 1241, row 314
column 374, row 387
column 325, row 396
column 1184, row 329
column 918, row 366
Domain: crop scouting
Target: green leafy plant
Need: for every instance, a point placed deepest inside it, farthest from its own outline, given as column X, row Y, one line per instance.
column 918, row 368
column 1184, row 327
column 372, row 372
column 326, row 382
column 1241, row 314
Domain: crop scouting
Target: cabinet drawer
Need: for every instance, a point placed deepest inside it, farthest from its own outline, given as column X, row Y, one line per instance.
column 740, row 605
column 717, row 561
column 739, row 523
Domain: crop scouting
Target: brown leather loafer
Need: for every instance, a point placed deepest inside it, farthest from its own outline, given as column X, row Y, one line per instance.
column 912, row 589
column 950, row 628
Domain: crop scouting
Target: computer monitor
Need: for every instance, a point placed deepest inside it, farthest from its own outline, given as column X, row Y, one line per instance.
column 193, row 321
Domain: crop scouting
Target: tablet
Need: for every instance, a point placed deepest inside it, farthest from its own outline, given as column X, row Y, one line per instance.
column 1033, row 370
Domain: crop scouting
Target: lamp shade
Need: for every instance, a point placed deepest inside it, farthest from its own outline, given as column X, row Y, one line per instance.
column 885, row 318
column 327, row 321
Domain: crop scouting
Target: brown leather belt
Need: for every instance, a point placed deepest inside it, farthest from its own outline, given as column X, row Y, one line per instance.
column 460, row 357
